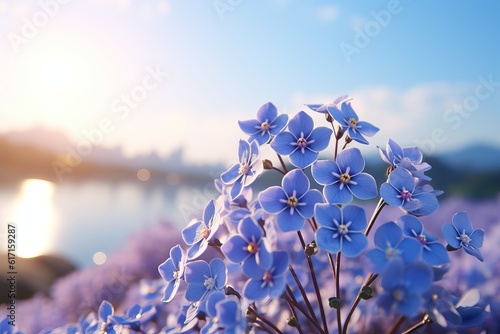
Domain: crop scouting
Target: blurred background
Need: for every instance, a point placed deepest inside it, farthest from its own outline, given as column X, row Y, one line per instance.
column 116, row 115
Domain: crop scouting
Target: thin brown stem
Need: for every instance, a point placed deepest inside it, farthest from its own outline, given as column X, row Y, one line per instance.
column 425, row 321
column 315, row 283
column 282, row 163
column 396, row 325
column 294, row 314
column 380, row 205
column 337, row 292
column 302, row 291
column 294, row 302
column 370, row 278
column 264, row 320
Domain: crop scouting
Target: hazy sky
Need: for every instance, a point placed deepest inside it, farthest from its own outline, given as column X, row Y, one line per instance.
column 156, row 75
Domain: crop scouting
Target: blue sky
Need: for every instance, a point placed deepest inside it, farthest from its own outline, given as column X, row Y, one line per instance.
column 424, row 72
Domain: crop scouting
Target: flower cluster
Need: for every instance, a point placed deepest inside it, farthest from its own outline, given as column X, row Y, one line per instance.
column 292, row 258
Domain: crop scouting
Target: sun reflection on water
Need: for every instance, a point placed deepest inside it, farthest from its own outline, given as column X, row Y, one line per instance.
column 34, row 217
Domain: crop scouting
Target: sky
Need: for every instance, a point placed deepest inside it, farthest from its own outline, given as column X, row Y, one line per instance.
column 159, row 75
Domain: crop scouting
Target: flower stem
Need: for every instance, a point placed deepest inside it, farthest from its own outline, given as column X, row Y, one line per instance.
column 425, row 320
column 380, row 205
column 291, row 299
column 302, row 292
column 370, row 278
column 337, row 292
column 315, row 283
column 282, row 163
column 294, row 314
column 399, row 322
column 264, row 320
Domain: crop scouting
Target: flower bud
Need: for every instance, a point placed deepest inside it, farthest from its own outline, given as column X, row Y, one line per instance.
column 268, row 164
column 311, row 249
column 334, row 302
column 293, row 322
column 329, row 118
column 229, row 290
column 365, row 292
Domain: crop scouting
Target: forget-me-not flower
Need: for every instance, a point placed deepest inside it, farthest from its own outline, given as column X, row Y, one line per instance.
column 404, row 286
column 341, row 230
column 302, row 142
column 135, row 316
column 203, row 278
column 400, row 190
column 461, row 234
column 293, row 202
column 433, row 253
column 267, row 124
column 389, row 243
column 246, row 170
column 346, row 116
column 248, row 246
column 225, row 315
column 343, row 178
column 172, row 271
column 198, row 233
column 410, row 158
column 270, row 282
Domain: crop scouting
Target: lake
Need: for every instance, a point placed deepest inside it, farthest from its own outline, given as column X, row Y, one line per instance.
column 84, row 221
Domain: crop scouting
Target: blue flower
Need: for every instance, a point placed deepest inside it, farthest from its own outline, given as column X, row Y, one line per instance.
column 323, row 108
column 433, row 252
column 246, row 170
column 341, row 230
column 348, row 120
column 267, row 123
column 270, row 282
column 343, row 178
column 6, row 328
column 106, row 325
column 302, row 142
column 225, row 315
column 461, row 234
column 389, row 243
column 249, row 246
column 203, row 278
column 400, row 190
column 293, row 202
column 135, row 316
column 410, row 158
column 403, row 287
column 172, row 271
column 198, row 233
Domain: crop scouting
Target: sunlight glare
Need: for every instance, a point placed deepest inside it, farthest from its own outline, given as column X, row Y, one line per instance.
column 34, row 217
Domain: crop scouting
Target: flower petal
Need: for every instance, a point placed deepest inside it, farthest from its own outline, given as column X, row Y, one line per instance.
column 301, row 124
column 462, row 222
column 231, row 175
column 288, row 221
column 278, row 124
column 253, row 291
column 326, row 241
column 366, row 128
column 354, row 246
column 388, row 234
column 250, row 126
column 351, row 158
column 436, row 254
column 235, row 249
column 326, row 214
column 477, row 237
column 190, row 232
column 303, row 159
column 389, row 194
column 282, row 143
column 322, row 171
column 270, row 198
column 356, row 215
column 170, row 290
column 412, row 226
column 310, row 198
column 335, row 195
column 365, row 186
column 319, row 138
column 451, row 235
column 296, row 182
column 267, row 112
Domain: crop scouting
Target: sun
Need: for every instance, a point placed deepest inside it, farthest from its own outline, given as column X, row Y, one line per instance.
column 60, row 79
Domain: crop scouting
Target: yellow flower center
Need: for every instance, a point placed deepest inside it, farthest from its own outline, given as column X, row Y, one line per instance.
column 293, row 201
column 345, row 178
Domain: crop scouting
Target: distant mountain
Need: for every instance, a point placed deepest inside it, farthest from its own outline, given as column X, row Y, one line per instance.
column 58, row 143
column 478, row 157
